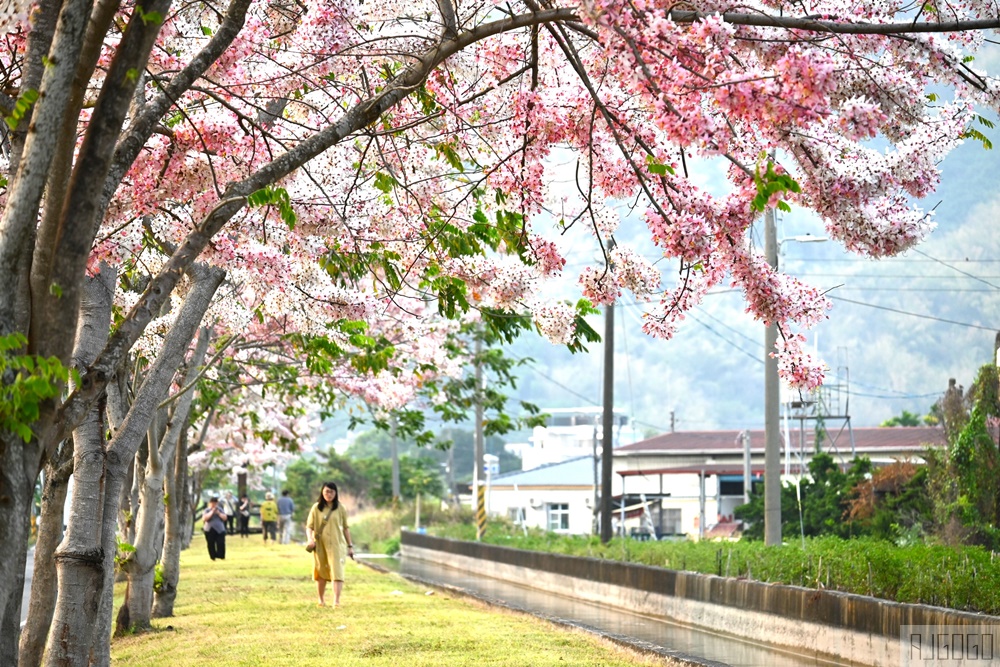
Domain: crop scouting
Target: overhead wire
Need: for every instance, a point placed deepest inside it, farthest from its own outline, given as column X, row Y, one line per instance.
column 955, row 268
column 904, row 312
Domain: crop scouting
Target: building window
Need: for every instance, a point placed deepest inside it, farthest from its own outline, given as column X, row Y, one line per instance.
column 731, row 487
column 672, row 522
column 515, row 514
column 558, row 516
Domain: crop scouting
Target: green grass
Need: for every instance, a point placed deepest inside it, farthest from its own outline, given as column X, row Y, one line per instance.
column 966, row 578
column 258, row 607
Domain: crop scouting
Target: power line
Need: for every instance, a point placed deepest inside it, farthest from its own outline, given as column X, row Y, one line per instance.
column 530, row 364
column 735, row 331
column 724, row 339
column 955, row 268
column 896, row 260
column 897, row 276
column 914, row 289
column 905, row 396
column 903, row 312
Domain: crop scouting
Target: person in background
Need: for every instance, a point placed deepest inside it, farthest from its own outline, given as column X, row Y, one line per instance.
column 330, row 541
column 244, row 516
column 286, row 506
column 229, row 507
column 269, row 517
column 214, row 525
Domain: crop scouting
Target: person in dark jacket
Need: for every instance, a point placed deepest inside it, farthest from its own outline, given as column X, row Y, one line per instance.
column 214, row 525
column 244, row 510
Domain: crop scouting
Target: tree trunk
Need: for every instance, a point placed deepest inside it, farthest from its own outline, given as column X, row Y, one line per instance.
column 173, row 532
column 140, row 565
column 19, row 466
column 43, row 581
column 78, row 557
column 191, row 498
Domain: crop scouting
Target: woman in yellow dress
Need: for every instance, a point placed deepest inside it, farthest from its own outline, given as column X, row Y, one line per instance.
column 330, row 542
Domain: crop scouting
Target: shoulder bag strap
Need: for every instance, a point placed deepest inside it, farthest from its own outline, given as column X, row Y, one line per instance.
column 325, row 519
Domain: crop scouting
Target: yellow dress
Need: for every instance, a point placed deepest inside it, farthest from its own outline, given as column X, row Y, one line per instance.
column 331, row 546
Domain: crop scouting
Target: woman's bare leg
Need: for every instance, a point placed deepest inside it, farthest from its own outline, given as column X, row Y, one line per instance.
column 338, row 586
column 321, row 588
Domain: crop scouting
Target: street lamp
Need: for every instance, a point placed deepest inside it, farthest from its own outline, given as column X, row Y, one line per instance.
column 772, row 399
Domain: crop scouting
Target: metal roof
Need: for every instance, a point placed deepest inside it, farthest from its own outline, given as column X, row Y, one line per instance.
column 707, row 468
column 573, row 472
column 868, row 439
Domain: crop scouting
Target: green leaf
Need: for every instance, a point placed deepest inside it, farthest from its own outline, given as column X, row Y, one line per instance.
column 385, row 182
column 154, row 18
column 973, row 133
column 277, row 197
column 21, row 107
column 55, row 290
column 770, row 183
column 205, row 30
column 658, row 168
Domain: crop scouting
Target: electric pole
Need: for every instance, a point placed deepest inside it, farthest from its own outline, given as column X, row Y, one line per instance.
column 772, row 406
column 479, row 489
column 395, row 463
column 607, row 421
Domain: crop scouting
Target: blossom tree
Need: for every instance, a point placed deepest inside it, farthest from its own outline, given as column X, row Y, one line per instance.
column 401, row 155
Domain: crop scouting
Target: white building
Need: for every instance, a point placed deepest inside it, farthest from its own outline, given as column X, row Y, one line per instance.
column 557, row 497
column 571, row 433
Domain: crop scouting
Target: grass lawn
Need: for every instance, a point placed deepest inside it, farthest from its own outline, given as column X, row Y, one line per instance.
column 258, row 607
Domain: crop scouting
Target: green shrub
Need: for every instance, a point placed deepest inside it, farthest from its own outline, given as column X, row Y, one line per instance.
column 966, row 578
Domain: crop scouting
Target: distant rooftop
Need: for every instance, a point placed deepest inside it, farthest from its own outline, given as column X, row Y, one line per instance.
column 868, row 439
column 572, row 472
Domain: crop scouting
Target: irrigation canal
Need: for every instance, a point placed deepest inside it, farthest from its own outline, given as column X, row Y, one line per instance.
column 699, row 645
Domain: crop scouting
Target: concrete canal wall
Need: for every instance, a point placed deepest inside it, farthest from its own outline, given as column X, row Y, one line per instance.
column 861, row 629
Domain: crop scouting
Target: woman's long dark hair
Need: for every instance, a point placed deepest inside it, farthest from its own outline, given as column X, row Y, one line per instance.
column 336, row 496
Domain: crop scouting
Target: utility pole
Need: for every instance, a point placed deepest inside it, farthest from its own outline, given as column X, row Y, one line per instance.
column 479, row 489
column 607, row 421
column 772, row 434
column 395, row 463
column 747, row 470
column 595, row 522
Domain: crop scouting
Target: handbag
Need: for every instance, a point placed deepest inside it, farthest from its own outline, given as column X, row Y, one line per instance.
column 312, row 547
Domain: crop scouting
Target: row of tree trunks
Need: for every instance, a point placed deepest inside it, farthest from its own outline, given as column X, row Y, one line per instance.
column 150, row 521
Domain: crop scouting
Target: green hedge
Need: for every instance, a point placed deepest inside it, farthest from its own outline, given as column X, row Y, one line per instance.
column 966, row 578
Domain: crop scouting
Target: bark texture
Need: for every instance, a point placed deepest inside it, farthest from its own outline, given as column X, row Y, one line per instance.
column 78, row 558
column 42, row 603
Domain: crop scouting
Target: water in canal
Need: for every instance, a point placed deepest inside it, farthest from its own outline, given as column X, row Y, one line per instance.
column 657, row 631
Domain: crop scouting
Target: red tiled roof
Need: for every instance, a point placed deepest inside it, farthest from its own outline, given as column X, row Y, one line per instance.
column 868, row 439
